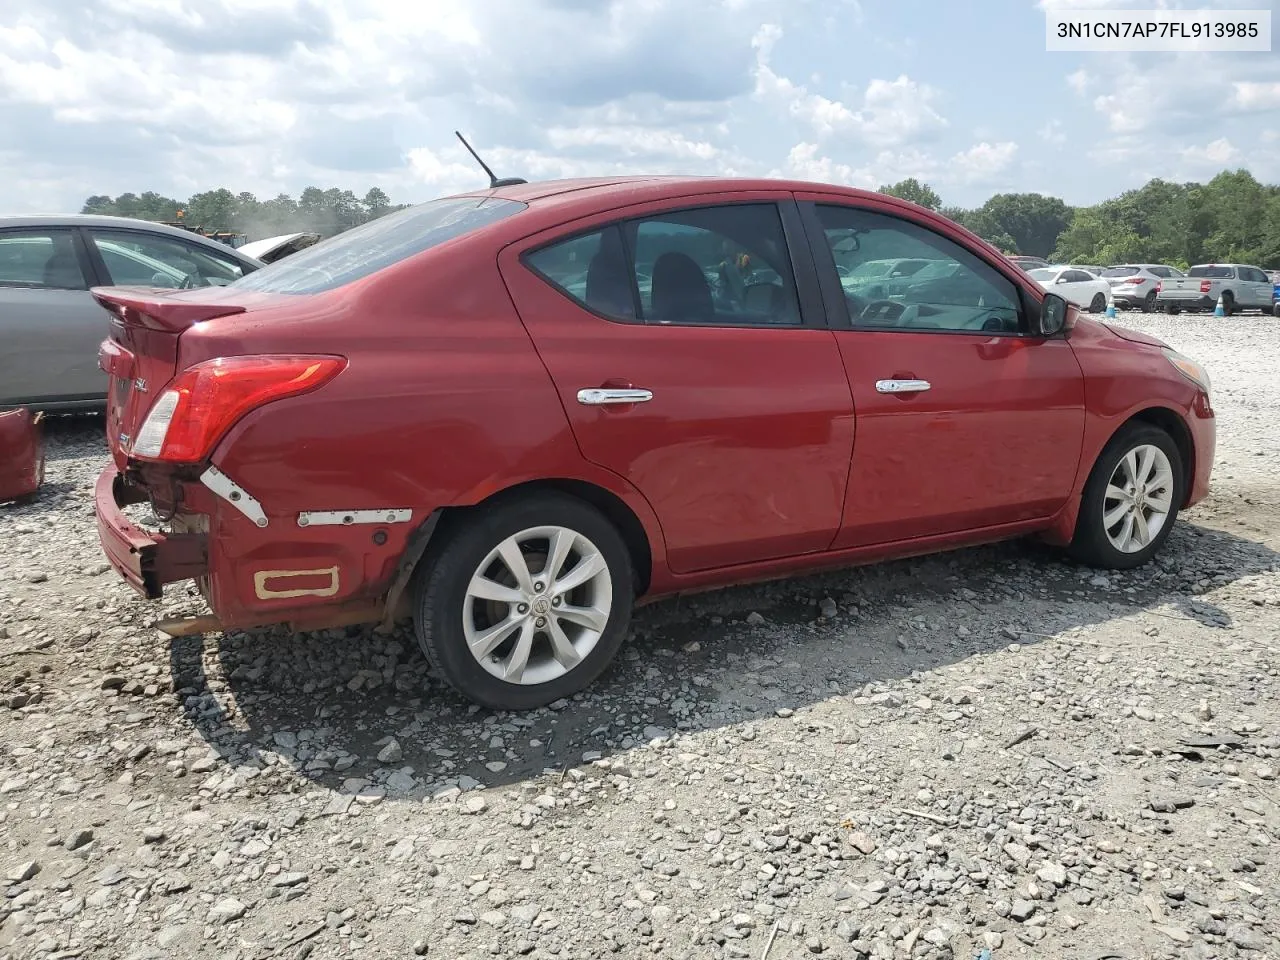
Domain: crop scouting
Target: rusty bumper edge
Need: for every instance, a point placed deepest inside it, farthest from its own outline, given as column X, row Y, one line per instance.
column 147, row 561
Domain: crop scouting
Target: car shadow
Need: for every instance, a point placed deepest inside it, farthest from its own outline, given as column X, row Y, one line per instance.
column 327, row 704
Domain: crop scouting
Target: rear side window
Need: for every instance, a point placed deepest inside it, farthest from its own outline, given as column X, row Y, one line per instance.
column 40, row 258
column 591, row 269
column 134, row 258
column 378, row 244
column 726, row 265
column 1212, row 273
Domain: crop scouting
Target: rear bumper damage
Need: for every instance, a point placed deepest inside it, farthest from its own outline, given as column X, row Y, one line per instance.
column 147, row 560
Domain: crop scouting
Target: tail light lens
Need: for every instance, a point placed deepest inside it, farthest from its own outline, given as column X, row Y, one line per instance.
column 206, row 400
column 1159, row 285
column 1134, row 280
column 1204, row 286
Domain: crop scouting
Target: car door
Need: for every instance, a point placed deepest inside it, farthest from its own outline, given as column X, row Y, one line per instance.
column 50, row 324
column 965, row 421
column 1076, row 286
column 712, row 385
column 1260, row 289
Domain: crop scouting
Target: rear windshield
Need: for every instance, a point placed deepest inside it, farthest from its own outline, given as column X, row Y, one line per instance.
column 1213, row 273
column 378, row 244
column 1119, row 271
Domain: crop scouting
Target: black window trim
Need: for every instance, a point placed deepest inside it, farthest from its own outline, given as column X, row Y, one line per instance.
column 87, row 268
column 813, row 313
column 833, row 293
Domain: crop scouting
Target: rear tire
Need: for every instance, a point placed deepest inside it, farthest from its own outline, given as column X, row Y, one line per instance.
column 1228, row 303
column 1098, row 303
column 1140, row 457
column 1149, row 303
column 488, row 590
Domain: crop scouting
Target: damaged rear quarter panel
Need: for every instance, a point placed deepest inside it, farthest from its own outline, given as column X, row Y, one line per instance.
column 436, row 408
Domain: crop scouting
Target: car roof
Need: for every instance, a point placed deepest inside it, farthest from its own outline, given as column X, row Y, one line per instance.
column 117, row 223
column 587, row 195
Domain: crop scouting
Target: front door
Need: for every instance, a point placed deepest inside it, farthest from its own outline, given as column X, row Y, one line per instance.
column 50, row 323
column 689, row 351
column 964, row 420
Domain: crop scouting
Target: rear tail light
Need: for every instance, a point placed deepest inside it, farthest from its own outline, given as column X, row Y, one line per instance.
column 1204, row 286
column 1134, row 280
column 206, row 400
column 1159, row 285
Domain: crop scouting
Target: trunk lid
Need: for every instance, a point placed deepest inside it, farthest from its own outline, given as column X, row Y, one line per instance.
column 140, row 354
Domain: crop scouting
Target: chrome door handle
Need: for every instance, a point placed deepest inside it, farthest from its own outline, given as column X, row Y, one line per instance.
column 902, row 386
column 600, row 396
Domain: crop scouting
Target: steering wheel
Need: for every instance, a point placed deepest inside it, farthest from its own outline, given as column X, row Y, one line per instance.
column 887, row 311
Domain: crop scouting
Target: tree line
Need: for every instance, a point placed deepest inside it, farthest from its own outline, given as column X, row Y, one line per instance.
column 325, row 212
column 1231, row 219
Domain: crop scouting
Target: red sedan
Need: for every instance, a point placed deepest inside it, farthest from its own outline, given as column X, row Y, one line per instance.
column 513, row 414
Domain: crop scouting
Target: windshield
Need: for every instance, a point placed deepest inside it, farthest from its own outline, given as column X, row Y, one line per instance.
column 1120, row 272
column 378, row 244
column 1213, row 273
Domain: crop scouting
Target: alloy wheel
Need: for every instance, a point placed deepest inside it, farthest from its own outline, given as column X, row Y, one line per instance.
column 1138, row 498
column 537, row 605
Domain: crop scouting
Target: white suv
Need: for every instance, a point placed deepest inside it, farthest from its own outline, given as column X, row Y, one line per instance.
column 1134, row 284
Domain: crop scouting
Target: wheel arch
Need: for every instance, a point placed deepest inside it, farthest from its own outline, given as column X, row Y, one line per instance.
column 436, row 530
column 1172, row 423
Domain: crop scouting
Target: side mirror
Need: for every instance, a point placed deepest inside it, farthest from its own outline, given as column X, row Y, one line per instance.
column 1061, row 280
column 1053, row 315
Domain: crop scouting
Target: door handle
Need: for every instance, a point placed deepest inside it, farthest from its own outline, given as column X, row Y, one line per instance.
column 902, row 386
column 600, row 396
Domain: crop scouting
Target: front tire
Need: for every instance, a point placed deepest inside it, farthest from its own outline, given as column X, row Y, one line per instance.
column 526, row 603
column 1131, row 499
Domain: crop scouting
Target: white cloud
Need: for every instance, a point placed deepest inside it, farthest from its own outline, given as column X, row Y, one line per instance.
column 890, row 112
column 1252, row 96
column 983, row 162
column 1215, row 155
column 1052, row 133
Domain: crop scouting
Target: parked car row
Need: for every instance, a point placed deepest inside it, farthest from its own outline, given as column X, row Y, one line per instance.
column 1154, row 287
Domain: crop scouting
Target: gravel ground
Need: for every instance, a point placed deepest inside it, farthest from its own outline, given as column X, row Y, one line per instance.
column 990, row 749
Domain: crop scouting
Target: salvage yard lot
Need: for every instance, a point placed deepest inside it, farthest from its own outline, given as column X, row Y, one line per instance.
column 919, row 759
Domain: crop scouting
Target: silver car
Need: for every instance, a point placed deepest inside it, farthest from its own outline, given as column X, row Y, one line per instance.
column 1134, row 284
column 50, row 325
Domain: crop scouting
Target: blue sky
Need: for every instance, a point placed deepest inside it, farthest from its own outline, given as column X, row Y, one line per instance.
column 104, row 96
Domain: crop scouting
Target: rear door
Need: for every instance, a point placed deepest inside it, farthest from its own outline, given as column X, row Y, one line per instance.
column 965, row 421
column 50, row 324
column 688, row 347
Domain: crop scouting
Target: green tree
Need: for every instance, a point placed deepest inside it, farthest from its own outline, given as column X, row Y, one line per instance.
column 376, row 202
column 1032, row 221
column 914, row 191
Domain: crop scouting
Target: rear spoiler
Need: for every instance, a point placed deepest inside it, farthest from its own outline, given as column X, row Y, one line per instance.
column 155, row 309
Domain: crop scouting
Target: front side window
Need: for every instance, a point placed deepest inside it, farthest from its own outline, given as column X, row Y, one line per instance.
column 726, row 265
column 950, row 289
column 378, row 244
column 141, row 259
column 40, row 258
